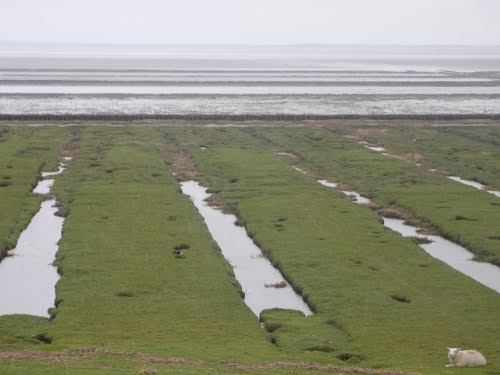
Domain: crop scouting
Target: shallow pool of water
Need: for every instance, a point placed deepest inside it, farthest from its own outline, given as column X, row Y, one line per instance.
column 377, row 149
column 251, row 269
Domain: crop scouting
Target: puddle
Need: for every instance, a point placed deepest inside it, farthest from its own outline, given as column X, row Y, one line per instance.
column 251, row 269
column 27, row 277
column 378, row 149
column 474, row 184
column 328, row 184
column 449, row 252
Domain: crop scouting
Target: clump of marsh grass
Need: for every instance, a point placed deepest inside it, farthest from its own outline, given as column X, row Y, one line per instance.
column 321, row 348
column 124, row 293
column 148, row 371
column 461, row 217
column 212, row 201
column 420, row 240
column 401, row 298
column 279, row 285
column 63, row 209
column 42, row 337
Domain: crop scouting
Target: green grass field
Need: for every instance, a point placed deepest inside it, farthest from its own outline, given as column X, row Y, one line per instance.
column 127, row 304
column 460, row 213
column 24, row 151
column 472, row 154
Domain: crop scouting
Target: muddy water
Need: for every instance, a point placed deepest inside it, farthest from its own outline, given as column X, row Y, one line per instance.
column 251, row 269
column 474, row 184
column 450, row 253
column 27, row 277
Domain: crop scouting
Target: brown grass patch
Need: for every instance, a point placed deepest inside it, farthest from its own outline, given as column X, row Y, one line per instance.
column 183, row 167
column 396, row 212
column 414, row 157
column 214, row 202
column 63, row 210
column 65, row 359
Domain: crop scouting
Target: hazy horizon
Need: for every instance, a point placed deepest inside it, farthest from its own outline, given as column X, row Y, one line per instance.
column 260, row 22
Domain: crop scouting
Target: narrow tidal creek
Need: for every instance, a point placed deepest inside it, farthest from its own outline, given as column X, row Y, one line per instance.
column 448, row 252
column 475, row 185
column 28, row 276
column 255, row 273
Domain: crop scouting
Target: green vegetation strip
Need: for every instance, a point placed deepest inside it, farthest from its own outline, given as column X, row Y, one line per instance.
column 123, row 285
column 379, row 299
column 472, row 154
column 24, row 151
column 462, row 214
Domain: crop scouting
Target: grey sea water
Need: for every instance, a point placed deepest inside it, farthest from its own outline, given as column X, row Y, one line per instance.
column 253, row 80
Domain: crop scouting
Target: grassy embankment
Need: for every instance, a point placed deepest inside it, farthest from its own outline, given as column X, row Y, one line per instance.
column 460, row 213
column 350, row 268
column 472, row 154
column 124, row 289
column 24, row 151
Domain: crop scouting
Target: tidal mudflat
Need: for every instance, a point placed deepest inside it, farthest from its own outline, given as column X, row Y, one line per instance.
column 333, row 81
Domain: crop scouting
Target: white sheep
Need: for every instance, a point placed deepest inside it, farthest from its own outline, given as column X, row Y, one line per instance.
column 465, row 358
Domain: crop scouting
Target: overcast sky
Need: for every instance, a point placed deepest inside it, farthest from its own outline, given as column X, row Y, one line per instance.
column 252, row 21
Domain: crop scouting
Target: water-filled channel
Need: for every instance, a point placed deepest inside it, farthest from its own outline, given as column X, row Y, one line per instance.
column 449, row 252
column 28, row 276
column 475, row 185
column 253, row 271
